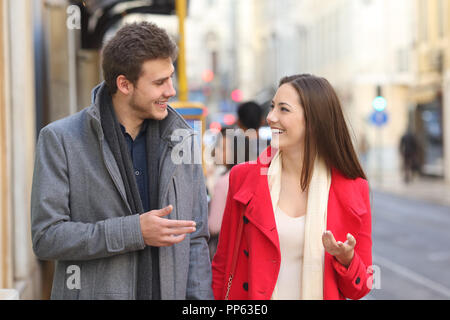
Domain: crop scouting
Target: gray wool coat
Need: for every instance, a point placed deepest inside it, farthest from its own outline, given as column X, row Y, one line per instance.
column 80, row 216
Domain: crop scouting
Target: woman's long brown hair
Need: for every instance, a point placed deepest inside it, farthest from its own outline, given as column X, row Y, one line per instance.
column 326, row 132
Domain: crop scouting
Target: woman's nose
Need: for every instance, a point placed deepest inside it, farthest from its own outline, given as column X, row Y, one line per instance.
column 271, row 117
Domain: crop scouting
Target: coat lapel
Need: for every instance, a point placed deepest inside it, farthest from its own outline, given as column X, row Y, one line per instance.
column 345, row 207
column 182, row 143
column 108, row 158
column 113, row 169
column 167, row 170
column 254, row 194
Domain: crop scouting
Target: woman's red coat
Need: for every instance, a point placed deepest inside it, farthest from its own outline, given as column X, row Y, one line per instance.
column 258, row 259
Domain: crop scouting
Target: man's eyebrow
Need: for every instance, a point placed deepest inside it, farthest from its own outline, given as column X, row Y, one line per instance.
column 165, row 78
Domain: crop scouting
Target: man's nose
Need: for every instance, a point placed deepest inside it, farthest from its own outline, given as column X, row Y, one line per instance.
column 170, row 90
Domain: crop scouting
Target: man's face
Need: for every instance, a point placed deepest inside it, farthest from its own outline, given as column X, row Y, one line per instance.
column 153, row 90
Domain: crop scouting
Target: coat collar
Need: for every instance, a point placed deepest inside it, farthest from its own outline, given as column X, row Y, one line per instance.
column 254, row 193
column 256, row 179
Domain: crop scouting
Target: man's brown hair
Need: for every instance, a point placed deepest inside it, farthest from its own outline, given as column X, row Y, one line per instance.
column 130, row 47
column 326, row 133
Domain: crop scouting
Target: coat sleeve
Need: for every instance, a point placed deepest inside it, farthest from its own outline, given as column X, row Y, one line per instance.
column 54, row 235
column 356, row 281
column 199, row 277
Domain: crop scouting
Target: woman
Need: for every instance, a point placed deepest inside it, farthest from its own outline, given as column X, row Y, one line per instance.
column 304, row 207
column 224, row 153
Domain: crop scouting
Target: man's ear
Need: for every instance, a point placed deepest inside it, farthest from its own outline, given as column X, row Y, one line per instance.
column 124, row 85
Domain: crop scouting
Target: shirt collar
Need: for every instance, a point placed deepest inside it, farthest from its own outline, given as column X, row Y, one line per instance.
column 144, row 127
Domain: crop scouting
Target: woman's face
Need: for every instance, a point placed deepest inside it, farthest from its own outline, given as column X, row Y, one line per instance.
column 287, row 119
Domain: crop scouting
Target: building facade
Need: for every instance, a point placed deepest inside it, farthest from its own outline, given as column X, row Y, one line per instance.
column 364, row 49
column 431, row 113
column 19, row 268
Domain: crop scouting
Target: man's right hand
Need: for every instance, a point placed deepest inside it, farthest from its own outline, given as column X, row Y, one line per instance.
column 160, row 232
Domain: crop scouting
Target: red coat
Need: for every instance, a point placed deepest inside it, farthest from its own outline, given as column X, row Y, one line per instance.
column 258, row 260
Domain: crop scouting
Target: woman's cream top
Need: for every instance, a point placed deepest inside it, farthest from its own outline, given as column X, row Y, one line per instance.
column 291, row 233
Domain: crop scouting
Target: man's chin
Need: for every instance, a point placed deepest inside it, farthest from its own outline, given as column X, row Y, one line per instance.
column 159, row 115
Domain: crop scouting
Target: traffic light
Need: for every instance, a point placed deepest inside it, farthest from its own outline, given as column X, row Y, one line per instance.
column 379, row 116
column 379, row 103
column 236, row 95
column 207, row 75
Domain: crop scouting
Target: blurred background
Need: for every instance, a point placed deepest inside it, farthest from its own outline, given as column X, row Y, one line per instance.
column 389, row 61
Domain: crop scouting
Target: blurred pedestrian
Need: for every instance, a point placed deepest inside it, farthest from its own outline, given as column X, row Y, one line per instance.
column 303, row 231
column 106, row 194
column 409, row 151
column 225, row 153
column 250, row 118
column 363, row 149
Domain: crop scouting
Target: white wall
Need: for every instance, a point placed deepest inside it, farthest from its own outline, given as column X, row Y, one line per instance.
column 20, row 76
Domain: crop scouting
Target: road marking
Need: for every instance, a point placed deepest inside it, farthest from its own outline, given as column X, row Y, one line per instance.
column 413, row 276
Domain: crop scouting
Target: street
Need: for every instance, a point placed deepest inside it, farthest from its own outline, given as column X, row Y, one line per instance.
column 411, row 251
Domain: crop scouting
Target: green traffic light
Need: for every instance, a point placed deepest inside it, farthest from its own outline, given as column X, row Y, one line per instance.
column 379, row 103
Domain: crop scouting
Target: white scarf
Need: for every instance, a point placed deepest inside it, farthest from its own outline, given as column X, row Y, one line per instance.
column 315, row 223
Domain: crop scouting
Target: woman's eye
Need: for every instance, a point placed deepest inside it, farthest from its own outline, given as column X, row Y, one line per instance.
column 272, row 106
column 284, row 109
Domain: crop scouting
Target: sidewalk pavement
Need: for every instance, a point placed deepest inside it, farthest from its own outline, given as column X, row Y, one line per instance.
column 428, row 189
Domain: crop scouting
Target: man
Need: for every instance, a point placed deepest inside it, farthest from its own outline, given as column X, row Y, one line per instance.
column 121, row 218
column 409, row 149
column 250, row 118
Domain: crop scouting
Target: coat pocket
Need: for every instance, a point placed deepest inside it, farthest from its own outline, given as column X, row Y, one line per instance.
column 114, row 277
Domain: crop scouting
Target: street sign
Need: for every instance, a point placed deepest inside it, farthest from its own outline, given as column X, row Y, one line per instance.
column 379, row 118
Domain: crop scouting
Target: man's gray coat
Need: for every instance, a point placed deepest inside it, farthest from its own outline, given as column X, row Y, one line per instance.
column 80, row 216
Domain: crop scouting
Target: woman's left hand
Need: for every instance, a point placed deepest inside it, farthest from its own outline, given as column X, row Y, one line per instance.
column 343, row 252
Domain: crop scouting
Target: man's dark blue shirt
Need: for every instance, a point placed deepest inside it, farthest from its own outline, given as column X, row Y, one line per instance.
column 138, row 153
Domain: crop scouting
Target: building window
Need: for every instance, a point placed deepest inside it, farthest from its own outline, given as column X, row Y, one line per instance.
column 402, row 60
